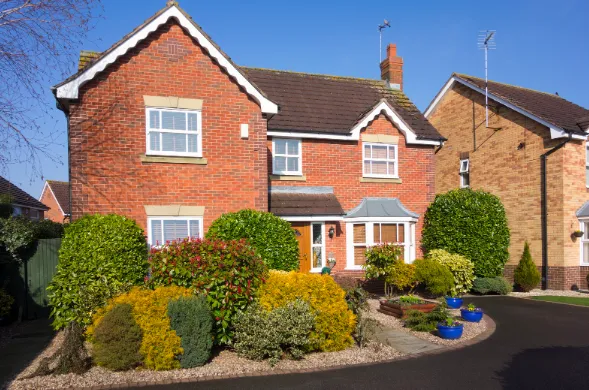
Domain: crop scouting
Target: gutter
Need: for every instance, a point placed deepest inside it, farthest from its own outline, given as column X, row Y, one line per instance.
column 544, row 208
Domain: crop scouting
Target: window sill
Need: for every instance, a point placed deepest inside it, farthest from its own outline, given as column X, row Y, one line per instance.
column 173, row 159
column 380, row 180
column 287, row 178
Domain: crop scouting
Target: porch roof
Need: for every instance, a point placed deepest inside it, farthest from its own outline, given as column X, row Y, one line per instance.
column 382, row 208
column 304, row 201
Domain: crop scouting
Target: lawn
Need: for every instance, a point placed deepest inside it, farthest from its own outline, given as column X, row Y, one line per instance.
column 570, row 300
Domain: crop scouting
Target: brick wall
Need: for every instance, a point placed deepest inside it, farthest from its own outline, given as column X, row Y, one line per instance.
column 107, row 135
column 339, row 164
column 505, row 160
column 53, row 213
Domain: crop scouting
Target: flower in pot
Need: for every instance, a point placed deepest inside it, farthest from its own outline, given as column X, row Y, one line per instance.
column 578, row 233
column 450, row 329
column 453, row 301
column 471, row 313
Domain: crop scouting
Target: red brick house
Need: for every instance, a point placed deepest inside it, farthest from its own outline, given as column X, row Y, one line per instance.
column 56, row 195
column 166, row 129
column 533, row 154
column 21, row 202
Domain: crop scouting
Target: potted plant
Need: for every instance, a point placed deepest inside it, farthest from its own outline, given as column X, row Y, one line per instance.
column 454, row 302
column 578, row 233
column 450, row 329
column 6, row 302
column 471, row 313
column 398, row 307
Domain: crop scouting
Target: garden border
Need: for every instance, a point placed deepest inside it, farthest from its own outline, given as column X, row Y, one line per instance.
column 491, row 327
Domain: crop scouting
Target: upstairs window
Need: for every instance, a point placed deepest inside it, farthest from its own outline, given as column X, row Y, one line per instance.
column 174, row 132
column 464, row 173
column 287, row 156
column 587, row 164
column 380, row 160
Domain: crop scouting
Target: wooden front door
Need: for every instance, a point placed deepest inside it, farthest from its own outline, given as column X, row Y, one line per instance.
column 303, row 234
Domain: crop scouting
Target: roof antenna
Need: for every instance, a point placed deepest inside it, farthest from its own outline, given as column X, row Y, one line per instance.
column 486, row 41
column 380, row 28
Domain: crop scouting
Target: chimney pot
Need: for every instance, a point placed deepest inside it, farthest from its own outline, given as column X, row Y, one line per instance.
column 391, row 68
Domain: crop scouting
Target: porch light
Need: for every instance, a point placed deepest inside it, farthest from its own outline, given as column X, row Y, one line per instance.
column 331, row 232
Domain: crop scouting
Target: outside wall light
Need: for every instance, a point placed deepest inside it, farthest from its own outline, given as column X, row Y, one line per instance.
column 331, row 232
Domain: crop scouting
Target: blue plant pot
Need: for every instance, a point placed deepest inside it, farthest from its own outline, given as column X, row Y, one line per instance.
column 471, row 316
column 450, row 332
column 454, row 303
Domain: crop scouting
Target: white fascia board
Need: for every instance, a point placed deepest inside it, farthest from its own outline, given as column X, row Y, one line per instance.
column 318, row 218
column 291, row 134
column 383, row 106
column 380, row 219
column 70, row 89
column 29, row 207
column 555, row 132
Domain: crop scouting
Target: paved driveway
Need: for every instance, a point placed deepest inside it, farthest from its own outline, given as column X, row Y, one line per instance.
column 537, row 345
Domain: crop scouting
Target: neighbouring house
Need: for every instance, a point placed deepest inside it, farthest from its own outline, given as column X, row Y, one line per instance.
column 533, row 154
column 164, row 128
column 56, row 195
column 21, row 202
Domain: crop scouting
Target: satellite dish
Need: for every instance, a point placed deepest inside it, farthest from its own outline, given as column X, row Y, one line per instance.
column 386, row 23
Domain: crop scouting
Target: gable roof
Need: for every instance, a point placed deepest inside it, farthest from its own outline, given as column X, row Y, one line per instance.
column 333, row 105
column 61, row 193
column 19, row 197
column 560, row 115
column 69, row 88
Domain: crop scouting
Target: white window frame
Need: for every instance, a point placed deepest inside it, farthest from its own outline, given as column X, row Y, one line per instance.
column 322, row 246
column 395, row 174
column 198, row 132
column 150, row 239
column 298, row 172
column 464, row 171
column 583, row 240
column 586, row 163
column 408, row 244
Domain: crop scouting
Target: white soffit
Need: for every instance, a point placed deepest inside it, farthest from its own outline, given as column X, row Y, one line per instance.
column 70, row 89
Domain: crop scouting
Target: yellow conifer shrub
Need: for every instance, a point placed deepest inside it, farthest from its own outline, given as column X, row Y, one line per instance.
column 160, row 345
column 334, row 322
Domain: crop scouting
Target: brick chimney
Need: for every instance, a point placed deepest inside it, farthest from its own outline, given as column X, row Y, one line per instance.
column 391, row 68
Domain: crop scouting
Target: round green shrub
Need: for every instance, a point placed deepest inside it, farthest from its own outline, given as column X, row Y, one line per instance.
column 100, row 257
column 496, row 285
column 526, row 275
column 462, row 269
column 436, row 278
column 472, row 224
column 272, row 237
column 191, row 318
column 117, row 339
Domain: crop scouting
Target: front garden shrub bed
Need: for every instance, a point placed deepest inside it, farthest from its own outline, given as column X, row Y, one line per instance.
column 461, row 268
column 496, row 285
column 433, row 276
column 401, row 306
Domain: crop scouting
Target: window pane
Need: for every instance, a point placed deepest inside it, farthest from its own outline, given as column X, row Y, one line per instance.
column 360, row 233
column 280, row 146
column 317, row 238
column 154, row 140
column 392, row 153
column 379, row 168
column 367, row 166
column 587, row 155
column 173, row 120
column 192, row 143
column 389, row 232
column 317, row 257
column 194, row 229
column 156, row 232
column 587, row 176
column 401, row 233
column 391, row 168
column 154, row 119
column 379, row 151
column 192, row 122
column 465, row 179
column 366, row 151
column 376, row 233
column 172, row 142
column 293, row 148
column 175, row 230
column 586, row 230
column 359, row 255
column 280, row 164
column 586, row 252
column 293, row 164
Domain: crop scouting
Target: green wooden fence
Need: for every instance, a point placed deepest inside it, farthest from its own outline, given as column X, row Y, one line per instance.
column 28, row 282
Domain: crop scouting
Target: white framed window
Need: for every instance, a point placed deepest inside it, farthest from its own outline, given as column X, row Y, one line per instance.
column 172, row 132
column 380, row 160
column 587, row 164
column 162, row 230
column 465, row 173
column 362, row 235
column 287, row 156
column 317, row 246
column 584, row 227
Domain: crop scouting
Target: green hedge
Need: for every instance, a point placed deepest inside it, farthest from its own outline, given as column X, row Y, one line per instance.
column 272, row 237
column 472, row 224
column 100, row 256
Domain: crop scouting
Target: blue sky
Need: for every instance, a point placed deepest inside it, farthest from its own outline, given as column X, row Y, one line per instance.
column 540, row 44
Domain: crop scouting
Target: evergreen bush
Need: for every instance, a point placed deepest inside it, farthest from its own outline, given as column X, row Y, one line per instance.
column 496, row 285
column 272, row 237
column 472, row 224
column 191, row 318
column 526, row 275
column 462, row 269
column 436, row 278
column 117, row 340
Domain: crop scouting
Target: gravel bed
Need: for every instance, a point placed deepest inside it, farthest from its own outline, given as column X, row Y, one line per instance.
column 559, row 293
column 225, row 363
column 471, row 329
